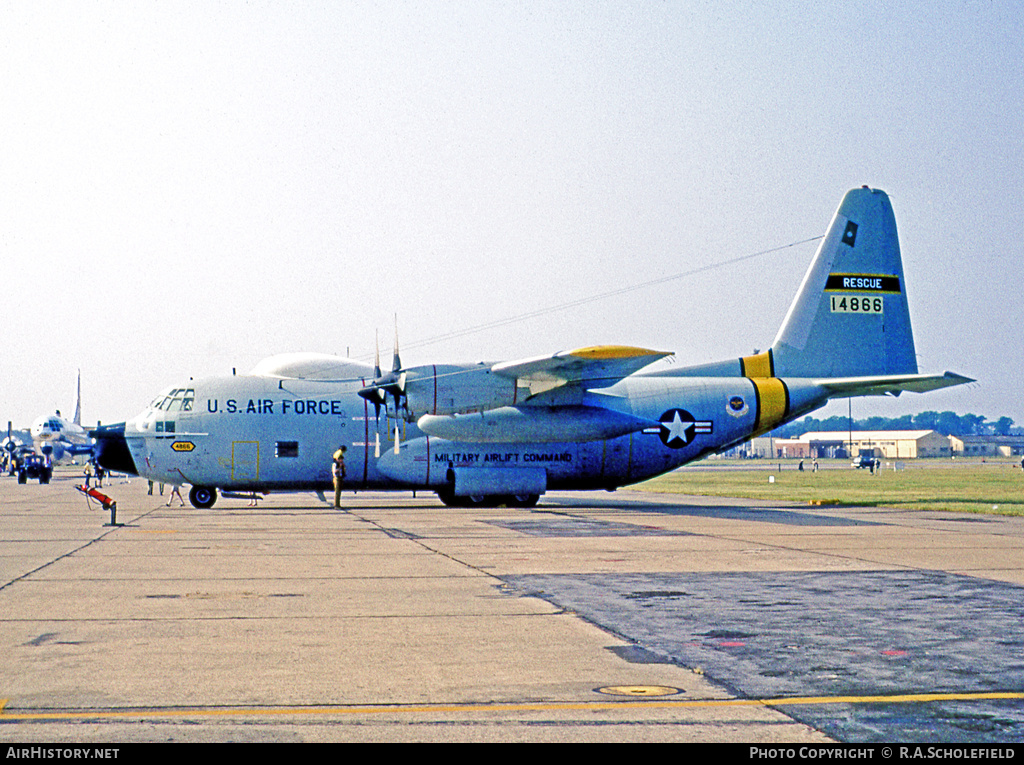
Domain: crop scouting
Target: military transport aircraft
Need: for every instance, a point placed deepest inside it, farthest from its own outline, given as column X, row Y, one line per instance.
column 591, row 418
column 60, row 439
column 53, row 436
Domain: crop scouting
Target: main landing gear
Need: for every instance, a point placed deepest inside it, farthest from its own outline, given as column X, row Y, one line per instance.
column 487, row 500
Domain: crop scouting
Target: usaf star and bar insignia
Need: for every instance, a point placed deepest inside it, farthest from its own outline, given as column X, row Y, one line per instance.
column 679, row 428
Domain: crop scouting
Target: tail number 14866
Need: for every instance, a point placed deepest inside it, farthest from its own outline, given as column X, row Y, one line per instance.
column 855, row 304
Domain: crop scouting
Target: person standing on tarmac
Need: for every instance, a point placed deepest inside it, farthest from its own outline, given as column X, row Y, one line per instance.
column 175, row 492
column 338, row 473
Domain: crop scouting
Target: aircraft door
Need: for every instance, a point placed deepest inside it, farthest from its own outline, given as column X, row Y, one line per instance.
column 245, row 461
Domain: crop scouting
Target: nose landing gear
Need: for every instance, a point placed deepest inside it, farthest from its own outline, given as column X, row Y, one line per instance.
column 202, row 497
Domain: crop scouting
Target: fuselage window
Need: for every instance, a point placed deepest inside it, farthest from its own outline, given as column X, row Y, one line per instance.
column 287, row 449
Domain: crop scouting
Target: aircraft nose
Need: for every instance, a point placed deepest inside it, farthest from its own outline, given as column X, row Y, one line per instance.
column 112, row 449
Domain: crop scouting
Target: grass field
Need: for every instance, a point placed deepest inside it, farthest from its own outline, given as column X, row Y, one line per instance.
column 992, row 487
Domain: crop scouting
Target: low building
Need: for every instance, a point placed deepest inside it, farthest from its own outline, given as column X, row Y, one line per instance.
column 789, row 448
column 842, row 444
column 988, row 446
column 886, row 444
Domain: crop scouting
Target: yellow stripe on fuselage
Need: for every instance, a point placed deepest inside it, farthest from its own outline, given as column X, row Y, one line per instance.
column 772, row 403
column 772, row 394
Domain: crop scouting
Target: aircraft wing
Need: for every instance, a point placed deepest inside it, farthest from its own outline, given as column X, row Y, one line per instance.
column 77, row 449
column 600, row 362
column 889, row 385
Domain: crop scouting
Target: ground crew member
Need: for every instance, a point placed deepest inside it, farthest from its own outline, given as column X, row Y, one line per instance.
column 338, row 472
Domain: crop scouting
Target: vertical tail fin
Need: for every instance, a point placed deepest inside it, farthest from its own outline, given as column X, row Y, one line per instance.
column 850, row 317
column 78, row 401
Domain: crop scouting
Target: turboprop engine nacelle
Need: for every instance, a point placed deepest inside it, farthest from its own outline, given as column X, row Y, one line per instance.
column 443, row 389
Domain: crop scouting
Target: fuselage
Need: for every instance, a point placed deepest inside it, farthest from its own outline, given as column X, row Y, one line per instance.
column 264, row 433
column 57, row 438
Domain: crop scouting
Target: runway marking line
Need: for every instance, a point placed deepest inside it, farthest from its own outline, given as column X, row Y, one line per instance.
column 154, row 531
column 910, row 698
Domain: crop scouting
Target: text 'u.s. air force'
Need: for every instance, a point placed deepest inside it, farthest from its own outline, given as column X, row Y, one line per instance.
column 298, row 406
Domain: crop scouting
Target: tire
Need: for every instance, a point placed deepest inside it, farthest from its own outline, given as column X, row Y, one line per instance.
column 449, row 499
column 487, row 500
column 202, row 497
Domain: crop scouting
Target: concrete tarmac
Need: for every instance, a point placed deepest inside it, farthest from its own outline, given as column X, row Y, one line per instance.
column 593, row 617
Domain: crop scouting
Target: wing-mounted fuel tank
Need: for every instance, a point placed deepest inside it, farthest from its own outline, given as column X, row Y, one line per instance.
column 537, row 424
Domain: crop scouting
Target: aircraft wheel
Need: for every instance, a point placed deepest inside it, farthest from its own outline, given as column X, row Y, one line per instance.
column 202, row 497
column 449, row 499
column 525, row 500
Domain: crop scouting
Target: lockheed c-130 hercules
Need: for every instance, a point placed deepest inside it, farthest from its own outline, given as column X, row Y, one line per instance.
column 591, row 418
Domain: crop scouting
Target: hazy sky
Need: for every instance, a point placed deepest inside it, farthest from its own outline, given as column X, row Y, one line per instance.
column 190, row 187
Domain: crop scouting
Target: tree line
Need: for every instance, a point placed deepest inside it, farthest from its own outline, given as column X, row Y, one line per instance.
column 946, row 423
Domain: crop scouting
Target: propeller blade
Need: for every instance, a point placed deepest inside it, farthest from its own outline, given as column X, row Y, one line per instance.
column 374, row 392
column 376, row 376
column 396, row 362
column 376, row 356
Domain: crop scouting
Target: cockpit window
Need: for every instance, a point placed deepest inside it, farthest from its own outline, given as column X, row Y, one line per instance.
column 175, row 400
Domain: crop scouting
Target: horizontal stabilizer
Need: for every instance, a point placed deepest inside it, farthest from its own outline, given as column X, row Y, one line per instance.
column 889, row 385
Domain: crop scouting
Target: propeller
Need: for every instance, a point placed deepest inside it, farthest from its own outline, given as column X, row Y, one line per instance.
column 393, row 384
column 373, row 392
